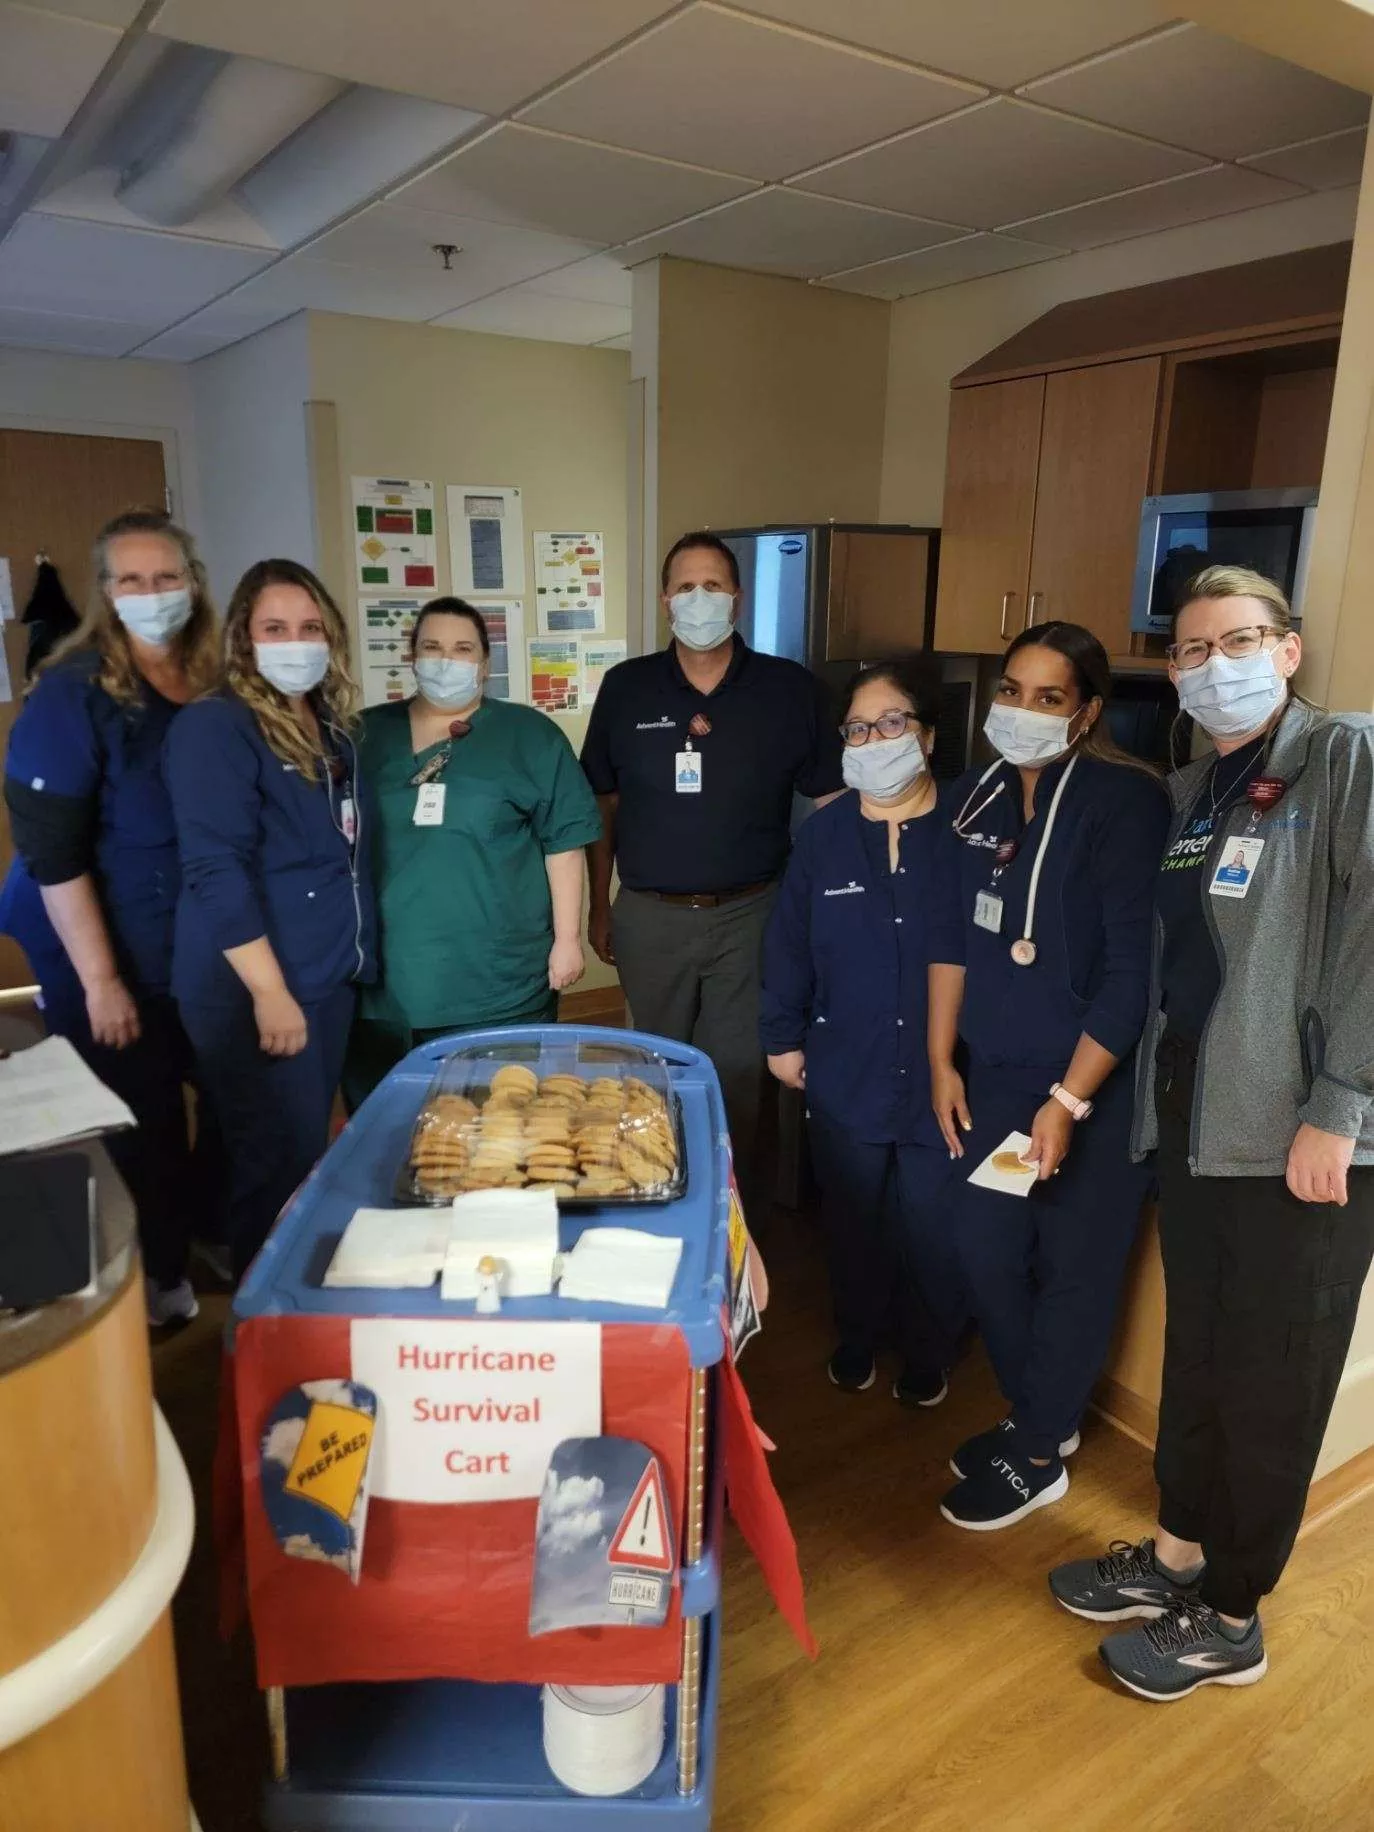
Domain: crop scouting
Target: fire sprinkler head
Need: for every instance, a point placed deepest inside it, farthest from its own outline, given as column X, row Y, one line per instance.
column 446, row 252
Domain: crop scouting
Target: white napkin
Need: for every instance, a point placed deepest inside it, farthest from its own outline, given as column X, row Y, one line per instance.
column 1010, row 1182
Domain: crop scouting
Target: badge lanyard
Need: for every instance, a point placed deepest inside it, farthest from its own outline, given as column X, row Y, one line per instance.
column 987, row 909
column 687, row 762
column 429, row 802
column 1023, row 952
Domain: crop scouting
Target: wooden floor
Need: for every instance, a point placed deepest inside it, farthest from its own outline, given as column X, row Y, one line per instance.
column 950, row 1695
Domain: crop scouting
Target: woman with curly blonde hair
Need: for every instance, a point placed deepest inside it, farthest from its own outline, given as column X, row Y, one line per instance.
column 274, row 925
column 91, row 894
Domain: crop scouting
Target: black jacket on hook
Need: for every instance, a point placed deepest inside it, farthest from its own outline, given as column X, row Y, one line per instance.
column 49, row 614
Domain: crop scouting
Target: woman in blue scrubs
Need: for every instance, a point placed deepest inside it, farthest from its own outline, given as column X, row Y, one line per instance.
column 90, row 896
column 844, row 1021
column 274, row 925
column 1042, row 969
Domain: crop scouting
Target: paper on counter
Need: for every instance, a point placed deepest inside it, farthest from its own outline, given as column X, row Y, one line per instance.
column 49, row 1097
column 621, row 1266
column 516, row 1228
column 991, row 1176
column 390, row 1249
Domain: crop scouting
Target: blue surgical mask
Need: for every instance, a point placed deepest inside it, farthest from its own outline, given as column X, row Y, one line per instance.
column 883, row 767
column 1229, row 697
column 155, row 617
column 448, row 684
column 701, row 619
column 1026, row 738
column 292, row 667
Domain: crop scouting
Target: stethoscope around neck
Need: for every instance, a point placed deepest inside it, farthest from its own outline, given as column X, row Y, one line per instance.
column 1023, row 949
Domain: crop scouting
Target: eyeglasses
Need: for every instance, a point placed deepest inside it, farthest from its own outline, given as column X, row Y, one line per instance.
column 1236, row 644
column 890, row 725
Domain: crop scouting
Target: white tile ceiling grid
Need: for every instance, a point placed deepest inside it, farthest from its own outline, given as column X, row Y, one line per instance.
column 885, row 148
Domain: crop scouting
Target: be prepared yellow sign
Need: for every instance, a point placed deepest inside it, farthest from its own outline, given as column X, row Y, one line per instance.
column 331, row 1458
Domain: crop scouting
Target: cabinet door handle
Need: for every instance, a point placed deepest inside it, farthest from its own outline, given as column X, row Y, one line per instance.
column 1031, row 616
column 1002, row 620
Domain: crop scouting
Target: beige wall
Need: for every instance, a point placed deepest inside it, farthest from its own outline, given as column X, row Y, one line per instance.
column 770, row 400
column 407, row 400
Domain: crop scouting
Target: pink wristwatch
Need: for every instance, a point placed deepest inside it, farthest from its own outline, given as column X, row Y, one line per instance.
column 1080, row 1109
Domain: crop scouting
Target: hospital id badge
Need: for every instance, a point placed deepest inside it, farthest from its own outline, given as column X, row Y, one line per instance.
column 1234, row 873
column 429, row 804
column 687, row 772
column 987, row 912
column 348, row 819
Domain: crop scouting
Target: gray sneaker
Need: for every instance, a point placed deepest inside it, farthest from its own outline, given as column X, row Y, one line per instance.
column 1182, row 1650
column 170, row 1304
column 1125, row 1584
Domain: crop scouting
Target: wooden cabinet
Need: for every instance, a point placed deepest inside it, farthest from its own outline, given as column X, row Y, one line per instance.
column 1045, row 480
column 985, row 543
column 876, row 603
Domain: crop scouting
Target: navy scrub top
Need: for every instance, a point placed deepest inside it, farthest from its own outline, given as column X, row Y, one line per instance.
column 845, row 961
column 90, row 765
column 1093, row 912
column 263, row 852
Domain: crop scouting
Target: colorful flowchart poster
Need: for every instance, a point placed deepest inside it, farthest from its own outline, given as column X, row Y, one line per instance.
column 599, row 656
column 570, row 583
column 505, row 621
column 555, row 675
column 393, row 534
column 385, row 625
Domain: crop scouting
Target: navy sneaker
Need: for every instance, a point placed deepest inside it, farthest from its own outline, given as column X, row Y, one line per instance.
column 923, row 1387
column 989, row 1444
column 1182, row 1650
column 852, row 1370
column 1126, row 1583
column 1004, row 1491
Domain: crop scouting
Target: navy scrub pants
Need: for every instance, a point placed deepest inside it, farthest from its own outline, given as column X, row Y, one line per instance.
column 1044, row 1271
column 894, row 1274
column 176, row 1186
column 273, row 1110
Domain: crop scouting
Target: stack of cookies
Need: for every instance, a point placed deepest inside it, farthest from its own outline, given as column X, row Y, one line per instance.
column 592, row 1139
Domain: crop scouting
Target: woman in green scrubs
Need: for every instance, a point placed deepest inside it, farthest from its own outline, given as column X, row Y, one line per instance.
column 479, row 814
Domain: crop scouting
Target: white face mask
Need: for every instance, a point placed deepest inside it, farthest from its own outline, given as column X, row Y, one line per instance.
column 1231, row 698
column 155, row 617
column 701, row 619
column 883, row 767
column 292, row 667
column 1025, row 737
column 448, row 684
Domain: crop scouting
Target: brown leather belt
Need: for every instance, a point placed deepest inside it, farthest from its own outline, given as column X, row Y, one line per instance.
column 707, row 900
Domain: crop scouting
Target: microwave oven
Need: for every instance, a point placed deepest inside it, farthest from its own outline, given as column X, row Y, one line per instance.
column 1270, row 531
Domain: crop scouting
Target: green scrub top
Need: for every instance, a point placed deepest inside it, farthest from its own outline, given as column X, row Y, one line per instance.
column 465, row 917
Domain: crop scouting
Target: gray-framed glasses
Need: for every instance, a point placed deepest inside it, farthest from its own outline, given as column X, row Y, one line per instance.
column 1237, row 644
column 890, row 725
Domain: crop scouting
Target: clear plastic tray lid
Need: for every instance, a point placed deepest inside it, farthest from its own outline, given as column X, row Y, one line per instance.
column 597, row 1123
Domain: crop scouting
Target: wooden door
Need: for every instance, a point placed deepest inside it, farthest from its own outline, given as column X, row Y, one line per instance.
column 877, row 600
column 990, row 488
column 1096, row 449
column 56, row 491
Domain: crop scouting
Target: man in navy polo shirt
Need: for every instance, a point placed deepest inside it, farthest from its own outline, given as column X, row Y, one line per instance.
column 695, row 754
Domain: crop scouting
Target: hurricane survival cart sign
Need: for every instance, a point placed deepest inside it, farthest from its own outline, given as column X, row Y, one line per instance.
column 474, row 1411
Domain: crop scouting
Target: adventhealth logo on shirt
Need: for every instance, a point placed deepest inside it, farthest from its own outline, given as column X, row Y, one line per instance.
column 657, row 725
column 845, row 890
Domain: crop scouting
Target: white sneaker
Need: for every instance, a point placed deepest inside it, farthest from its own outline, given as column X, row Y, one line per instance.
column 172, row 1304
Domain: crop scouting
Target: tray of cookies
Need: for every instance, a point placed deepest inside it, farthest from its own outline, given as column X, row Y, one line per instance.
column 596, row 1124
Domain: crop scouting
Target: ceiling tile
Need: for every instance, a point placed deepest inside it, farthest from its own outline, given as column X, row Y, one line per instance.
column 997, row 164
column 187, row 343
column 789, row 232
column 600, row 280
column 1218, row 192
column 53, row 264
column 522, row 312
column 47, row 64
column 225, row 322
column 490, row 255
column 999, row 42
column 119, row 13
column 483, row 54
column 969, row 259
column 384, row 291
column 1325, row 165
column 547, row 181
column 745, row 96
column 54, row 331
column 1196, row 89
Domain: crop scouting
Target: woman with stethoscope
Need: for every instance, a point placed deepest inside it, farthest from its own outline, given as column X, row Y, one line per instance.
column 274, row 924
column 1041, row 968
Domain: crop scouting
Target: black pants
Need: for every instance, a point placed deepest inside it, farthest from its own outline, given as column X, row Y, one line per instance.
column 1045, row 1270
column 177, row 1189
column 273, row 1110
column 1261, row 1293
column 693, row 976
column 375, row 1047
column 889, row 1245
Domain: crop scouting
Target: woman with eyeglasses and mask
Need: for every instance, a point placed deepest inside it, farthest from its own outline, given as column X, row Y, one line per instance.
column 274, row 924
column 1257, row 1091
column 843, row 1019
column 91, row 894
column 481, row 815
column 1041, row 967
